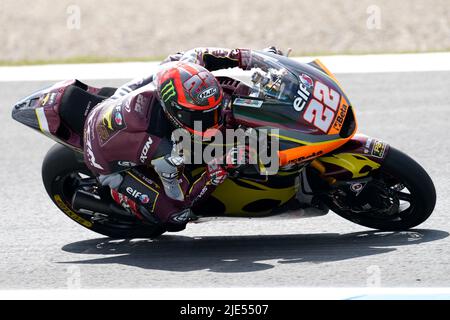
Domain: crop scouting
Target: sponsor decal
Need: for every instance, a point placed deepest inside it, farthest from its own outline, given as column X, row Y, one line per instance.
column 141, row 102
column 168, row 91
column 70, row 213
column 303, row 97
column 149, row 181
column 322, row 109
column 378, row 149
column 340, row 117
column 145, row 150
column 107, row 119
column 367, row 145
column 182, row 217
column 112, row 122
column 309, row 157
column 49, row 99
column 357, row 187
column 248, row 103
column 306, row 80
column 207, row 93
column 143, row 198
column 103, row 133
column 127, row 164
column 202, row 193
column 118, row 119
column 90, row 153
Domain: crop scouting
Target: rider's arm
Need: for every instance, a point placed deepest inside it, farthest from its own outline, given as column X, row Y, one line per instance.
column 216, row 173
column 131, row 86
column 210, row 58
column 124, row 133
column 215, row 58
column 200, row 190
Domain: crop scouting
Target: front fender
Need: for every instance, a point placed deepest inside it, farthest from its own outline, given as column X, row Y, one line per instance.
column 354, row 160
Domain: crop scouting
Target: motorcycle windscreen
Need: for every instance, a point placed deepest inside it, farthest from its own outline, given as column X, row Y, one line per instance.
column 311, row 114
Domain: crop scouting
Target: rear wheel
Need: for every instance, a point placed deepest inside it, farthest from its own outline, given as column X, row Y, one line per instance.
column 63, row 173
column 398, row 196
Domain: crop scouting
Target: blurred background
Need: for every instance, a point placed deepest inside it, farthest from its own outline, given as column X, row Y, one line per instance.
column 102, row 30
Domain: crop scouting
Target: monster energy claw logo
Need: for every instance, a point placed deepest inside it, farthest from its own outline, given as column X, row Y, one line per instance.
column 168, row 91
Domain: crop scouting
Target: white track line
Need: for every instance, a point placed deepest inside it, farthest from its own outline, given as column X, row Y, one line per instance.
column 337, row 64
column 231, row 293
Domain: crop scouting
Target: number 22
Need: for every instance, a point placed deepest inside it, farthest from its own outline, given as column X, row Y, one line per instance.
column 321, row 110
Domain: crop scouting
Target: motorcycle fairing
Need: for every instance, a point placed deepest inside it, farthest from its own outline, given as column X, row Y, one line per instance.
column 299, row 140
column 42, row 111
column 355, row 160
column 247, row 197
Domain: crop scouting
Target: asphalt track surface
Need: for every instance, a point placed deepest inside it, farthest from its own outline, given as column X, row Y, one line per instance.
column 42, row 248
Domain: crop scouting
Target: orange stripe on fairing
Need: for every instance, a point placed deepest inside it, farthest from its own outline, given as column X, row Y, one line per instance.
column 308, row 152
column 333, row 130
column 329, row 73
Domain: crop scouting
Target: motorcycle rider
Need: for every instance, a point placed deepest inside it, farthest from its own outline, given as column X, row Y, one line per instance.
column 134, row 128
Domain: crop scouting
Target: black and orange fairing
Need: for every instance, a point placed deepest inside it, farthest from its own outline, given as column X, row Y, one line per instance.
column 314, row 118
column 189, row 93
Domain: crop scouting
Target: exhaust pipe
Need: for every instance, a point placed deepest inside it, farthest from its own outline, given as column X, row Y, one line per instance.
column 83, row 200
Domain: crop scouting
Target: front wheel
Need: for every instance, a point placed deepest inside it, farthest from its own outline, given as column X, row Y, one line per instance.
column 63, row 173
column 398, row 196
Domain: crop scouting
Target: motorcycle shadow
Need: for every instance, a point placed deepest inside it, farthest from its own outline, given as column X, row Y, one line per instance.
column 244, row 253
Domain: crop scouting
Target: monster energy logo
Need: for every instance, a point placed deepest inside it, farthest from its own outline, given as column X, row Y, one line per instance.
column 168, row 91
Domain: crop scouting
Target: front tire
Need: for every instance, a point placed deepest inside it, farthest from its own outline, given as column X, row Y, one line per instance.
column 398, row 169
column 63, row 170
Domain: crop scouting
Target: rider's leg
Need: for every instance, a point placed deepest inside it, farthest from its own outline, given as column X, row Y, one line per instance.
column 146, row 199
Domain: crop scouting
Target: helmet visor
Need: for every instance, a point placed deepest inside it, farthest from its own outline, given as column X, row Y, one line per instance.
column 198, row 120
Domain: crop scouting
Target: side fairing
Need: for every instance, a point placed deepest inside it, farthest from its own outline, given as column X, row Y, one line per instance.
column 356, row 159
column 317, row 118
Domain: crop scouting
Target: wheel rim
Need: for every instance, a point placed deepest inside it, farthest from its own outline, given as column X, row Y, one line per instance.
column 397, row 196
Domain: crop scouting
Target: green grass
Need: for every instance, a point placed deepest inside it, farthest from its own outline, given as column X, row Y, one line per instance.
column 94, row 59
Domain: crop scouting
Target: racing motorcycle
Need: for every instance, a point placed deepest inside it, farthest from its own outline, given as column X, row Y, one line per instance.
column 360, row 178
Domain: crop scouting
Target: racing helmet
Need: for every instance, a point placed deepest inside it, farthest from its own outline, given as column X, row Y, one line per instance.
column 189, row 93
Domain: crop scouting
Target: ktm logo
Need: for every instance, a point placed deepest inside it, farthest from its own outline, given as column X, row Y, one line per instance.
column 168, row 91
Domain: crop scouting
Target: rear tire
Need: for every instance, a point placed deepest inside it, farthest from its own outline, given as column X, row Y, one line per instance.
column 422, row 192
column 58, row 166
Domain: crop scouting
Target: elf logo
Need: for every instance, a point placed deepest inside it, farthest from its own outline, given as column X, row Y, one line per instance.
column 303, row 96
column 133, row 193
column 138, row 195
